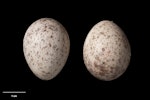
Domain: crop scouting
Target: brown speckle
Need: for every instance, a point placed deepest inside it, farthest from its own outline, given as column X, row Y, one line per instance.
column 31, row 59
column 91, row 47
column 112, row 59
column 44, row 20
column 125, row 45
column 97, row 36
column 53, row 28
column 102, row 33
column 54, row 46
column 103, row 70
column 47, row 53
column 35, row 44
column 108, row 36
column 45, row 26
column 119, row 60
column 97, row 58
column 43, row 71
column 93, row 37
column 37, row 30
column 101, row 73
column 119, row 53
column 49, row 45
column 43, row 40
column 119, row 44
column 48, row 73
column 103, row 49
column 103, row 63
column 40, row 64
column 51, row 36
column 107, row 60
column 95, row 64
column 44, row 30
column 44, row 47
column 28, row 54
column 57, row 49
column 28, row 34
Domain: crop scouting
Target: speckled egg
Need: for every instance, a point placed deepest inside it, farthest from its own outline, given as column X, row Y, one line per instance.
column 46, row 47
column 106, row 51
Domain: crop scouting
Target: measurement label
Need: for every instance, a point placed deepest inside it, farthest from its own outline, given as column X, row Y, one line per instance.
column 14, row 94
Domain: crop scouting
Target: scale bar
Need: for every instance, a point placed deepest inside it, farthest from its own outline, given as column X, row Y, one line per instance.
column 14, row 92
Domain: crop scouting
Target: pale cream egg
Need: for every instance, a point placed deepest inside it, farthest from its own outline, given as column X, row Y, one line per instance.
column 106, row 51
column 46, row 47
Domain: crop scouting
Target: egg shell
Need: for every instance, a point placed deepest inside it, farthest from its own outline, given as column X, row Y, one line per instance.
column 46, row 48
column 106, row 51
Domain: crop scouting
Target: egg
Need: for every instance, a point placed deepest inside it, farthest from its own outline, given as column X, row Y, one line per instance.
column 106, row 51
column 46, row 47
